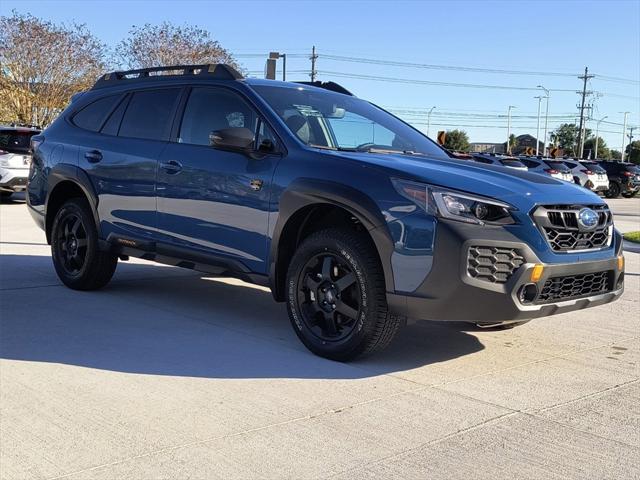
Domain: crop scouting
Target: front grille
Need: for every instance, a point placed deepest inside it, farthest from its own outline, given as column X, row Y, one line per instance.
column 559, row 224
column 493, row 264
column 575, row 286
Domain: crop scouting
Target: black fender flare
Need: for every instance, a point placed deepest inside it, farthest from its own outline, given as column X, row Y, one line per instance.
column 305, row 192
column 65, row 172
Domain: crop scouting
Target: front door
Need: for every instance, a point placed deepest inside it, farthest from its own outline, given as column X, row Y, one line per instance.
column 210, row 200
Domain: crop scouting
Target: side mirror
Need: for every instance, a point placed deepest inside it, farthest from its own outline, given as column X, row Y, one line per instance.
column 234, row 138
column 266, row 146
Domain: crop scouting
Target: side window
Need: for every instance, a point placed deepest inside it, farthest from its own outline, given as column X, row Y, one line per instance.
column 265, row 135
column 482, row 160
column 93, row 115
column 209, row 109
column 529, row 163
column 113, row 122
column 149, row 114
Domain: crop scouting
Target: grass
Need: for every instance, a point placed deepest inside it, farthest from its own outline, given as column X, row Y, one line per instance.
column 632, row 236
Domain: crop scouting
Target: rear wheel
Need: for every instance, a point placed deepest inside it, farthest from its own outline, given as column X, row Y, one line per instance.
column 5, row 195
column 614, row 190
column 336, row 296
column 629, row 194
column 74, row 248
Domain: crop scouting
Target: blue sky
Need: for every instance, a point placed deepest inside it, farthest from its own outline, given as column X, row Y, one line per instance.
column 542, row 36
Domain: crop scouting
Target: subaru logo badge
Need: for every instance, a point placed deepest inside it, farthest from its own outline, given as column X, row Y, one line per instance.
column 587, row 219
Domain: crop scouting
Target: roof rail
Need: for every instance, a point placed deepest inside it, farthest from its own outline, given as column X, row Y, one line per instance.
column 333, row 86
column 219, row 71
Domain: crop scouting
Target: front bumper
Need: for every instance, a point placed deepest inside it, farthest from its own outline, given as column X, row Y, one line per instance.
column 13, row 179
column 449, row 292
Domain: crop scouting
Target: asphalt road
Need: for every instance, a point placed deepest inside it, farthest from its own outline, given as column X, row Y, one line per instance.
column 169, row 374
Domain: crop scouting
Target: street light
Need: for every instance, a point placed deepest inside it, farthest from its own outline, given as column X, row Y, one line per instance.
column 624, row 133
column 283, row 56
column 509, row 128
column 429, row 119
column 540, row 97
column 546, row 118
column 595, row 155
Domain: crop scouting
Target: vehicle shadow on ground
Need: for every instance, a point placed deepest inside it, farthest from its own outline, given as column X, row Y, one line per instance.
column 167, row 321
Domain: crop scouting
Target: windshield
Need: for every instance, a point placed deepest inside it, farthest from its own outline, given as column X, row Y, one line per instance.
column 15, row 141
column 324, row 119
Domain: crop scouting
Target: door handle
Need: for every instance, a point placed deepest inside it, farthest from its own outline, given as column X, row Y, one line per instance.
column 93, row 156
column 171, row 167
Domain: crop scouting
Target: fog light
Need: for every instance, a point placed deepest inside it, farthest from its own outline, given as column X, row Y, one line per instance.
column 528, row 293
column 536, row 273
column 620, row 262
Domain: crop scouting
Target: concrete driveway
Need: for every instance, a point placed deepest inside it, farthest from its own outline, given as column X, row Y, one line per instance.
column 169, row 374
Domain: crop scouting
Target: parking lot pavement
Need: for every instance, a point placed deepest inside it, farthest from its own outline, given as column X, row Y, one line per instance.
column 169, row 374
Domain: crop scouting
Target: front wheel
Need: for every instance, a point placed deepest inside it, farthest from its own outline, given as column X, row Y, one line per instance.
column 629, row 194
column 77, row 259
column 336, row 296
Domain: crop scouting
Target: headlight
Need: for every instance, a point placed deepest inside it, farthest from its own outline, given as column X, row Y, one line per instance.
column 460, row 206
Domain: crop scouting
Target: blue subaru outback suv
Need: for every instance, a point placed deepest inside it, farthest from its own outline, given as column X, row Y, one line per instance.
column 353, row 218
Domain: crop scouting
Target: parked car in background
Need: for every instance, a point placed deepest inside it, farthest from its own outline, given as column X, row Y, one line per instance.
column 588, row 174
column 548, row 166
column 353, row 218
column 500, row 160
column 624, row 178
column 15, row 157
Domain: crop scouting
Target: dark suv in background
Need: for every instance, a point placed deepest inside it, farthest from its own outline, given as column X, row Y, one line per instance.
column 353, row 218
column 624, row 178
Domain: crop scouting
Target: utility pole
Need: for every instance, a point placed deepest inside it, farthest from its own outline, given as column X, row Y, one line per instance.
column 546, row 119
column 508, row 149
column 589, row 108
column 595, row 156
column 313, row 59
column 624, row 133
column 584, row 77
column 540, row 97
column 429, row 119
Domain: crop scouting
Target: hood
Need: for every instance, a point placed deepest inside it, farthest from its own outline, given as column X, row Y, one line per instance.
column 522, row 189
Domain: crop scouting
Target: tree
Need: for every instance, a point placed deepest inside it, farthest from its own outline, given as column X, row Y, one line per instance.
column 615, row 154
column 43, row 65
column 513, row 143
column 632, row 152
column 167, row 44
column 457, row 141
column 566, row 137
column 590, row 145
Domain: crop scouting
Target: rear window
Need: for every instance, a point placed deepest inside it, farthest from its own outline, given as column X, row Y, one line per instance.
column 149, row 114
column 16, row 141
column 633, row 169
column 559, row 166
column 594, row 167
column 93, row 115
column 530, row 163
column 510, row 162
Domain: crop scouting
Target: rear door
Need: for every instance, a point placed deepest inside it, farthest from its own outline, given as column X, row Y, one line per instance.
column 211, row 200
column 121, row 159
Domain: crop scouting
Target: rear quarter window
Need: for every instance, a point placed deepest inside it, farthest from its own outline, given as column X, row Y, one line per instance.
column 93, row 115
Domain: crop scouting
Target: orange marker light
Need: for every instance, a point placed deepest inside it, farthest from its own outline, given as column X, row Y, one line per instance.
column 536, row 273
column 620, row 262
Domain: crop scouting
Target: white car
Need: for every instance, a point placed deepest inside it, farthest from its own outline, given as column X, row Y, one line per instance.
column 500, row 160
column 15, row 158
column 548, row 166
column 588, row 174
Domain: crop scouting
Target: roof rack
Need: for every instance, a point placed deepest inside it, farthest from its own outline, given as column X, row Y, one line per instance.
column 219, row 71
column 333, row 86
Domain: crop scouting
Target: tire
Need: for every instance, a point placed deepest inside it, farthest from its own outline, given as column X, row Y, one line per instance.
column 629, row 195
column 614, row 190
column 79, row 263
column 354, row 287
column 5, row 195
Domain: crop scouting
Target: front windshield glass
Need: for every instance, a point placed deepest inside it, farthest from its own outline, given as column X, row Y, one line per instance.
column 325, row 119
